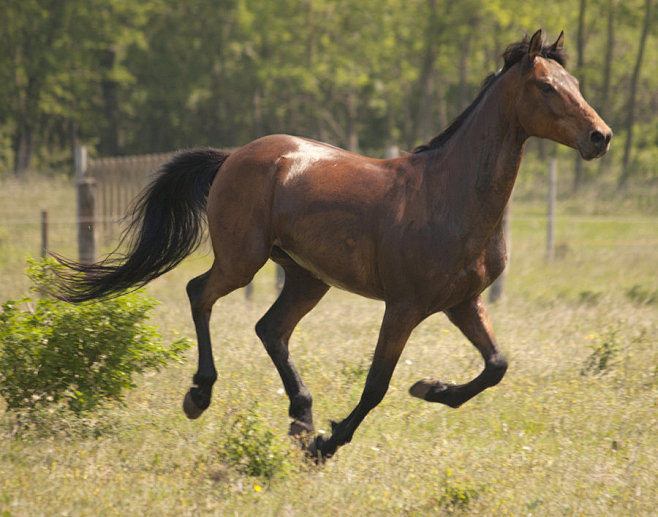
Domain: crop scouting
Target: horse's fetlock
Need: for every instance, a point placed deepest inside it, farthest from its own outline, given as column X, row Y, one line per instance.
column 300, row 404
column 204, row 380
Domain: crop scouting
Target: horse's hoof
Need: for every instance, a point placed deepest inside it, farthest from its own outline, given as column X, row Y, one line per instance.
column 192, row 411
column 422, row 388
column 300, row 429
column 432, row 390
column 314, row 451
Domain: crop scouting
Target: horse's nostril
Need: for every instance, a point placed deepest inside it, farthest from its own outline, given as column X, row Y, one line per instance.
column 597, row 138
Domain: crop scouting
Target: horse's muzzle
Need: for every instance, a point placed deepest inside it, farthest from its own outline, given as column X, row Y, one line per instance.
column 597, row 144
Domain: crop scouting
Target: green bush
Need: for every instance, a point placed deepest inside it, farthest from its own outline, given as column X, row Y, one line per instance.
column 53, row 352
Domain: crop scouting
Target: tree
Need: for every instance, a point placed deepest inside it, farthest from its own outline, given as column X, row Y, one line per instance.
column 62, row 67
column 632, row 95
column 30, row 29
column 580, row 65
column 156, row 75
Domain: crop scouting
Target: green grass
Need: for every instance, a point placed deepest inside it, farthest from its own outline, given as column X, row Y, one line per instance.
column 563, row 434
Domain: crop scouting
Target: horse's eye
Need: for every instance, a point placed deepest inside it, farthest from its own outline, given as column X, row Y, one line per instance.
column 546, row 88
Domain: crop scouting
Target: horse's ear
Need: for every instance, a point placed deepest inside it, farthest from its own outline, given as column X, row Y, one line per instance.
column 559, row 42
column 535, row 45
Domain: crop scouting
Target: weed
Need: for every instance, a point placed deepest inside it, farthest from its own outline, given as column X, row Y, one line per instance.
column 603, row 354
column 589, row 297
column 355, row 373
column 252, row 449
column 456, row 495
column 642, row 296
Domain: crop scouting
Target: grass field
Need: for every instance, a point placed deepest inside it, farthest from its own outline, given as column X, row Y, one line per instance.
column 571, row 430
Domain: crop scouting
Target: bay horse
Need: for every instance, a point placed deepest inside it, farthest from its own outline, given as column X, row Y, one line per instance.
column 421, row 233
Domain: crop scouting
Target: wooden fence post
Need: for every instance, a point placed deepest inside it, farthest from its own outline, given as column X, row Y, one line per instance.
column 44, row 234
column 550, row 223
column 87, row 195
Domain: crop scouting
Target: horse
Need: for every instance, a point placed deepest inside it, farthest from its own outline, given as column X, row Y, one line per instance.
column 421, row 232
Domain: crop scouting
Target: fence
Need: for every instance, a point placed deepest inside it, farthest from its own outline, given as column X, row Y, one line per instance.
column 106, row 188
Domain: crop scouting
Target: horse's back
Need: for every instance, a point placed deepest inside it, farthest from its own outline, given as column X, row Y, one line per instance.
column 322, row 205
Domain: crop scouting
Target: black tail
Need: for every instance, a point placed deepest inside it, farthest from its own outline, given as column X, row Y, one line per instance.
column 167, row 225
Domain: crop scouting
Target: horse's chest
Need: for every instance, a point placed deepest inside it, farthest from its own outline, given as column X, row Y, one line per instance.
column 465, row 280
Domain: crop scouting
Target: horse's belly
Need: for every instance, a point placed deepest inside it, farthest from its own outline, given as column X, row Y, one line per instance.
column 344, row 266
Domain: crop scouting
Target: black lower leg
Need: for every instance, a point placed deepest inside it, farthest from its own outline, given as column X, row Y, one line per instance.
column 198, row 397
column 471, row 318
column 453, row 395
column 396, row 328
column 301, row 292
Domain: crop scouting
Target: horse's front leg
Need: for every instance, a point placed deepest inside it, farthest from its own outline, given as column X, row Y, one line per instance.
column 399, row 321
column 301, row 292
column 471, row 318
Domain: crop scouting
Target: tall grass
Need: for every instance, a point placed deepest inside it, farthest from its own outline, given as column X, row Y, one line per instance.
column 569, row 431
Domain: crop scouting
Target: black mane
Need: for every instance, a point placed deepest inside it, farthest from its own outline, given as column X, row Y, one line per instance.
column 512, row 55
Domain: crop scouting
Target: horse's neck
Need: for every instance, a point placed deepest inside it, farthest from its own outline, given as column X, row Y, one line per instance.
column 479, row 164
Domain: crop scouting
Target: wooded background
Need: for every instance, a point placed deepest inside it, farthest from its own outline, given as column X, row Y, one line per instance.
column 126, row 77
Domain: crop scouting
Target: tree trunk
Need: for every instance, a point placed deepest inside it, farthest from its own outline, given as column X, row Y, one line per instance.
column 630, row 120
column 258, row 114
column 23, row 148
column 578, row 167
column 26, row 127
column 424, row 128
column 352, row 115
column 110, row 144
column 464, row 94
column 604, row 107
column 607, row 66
column 426, row 88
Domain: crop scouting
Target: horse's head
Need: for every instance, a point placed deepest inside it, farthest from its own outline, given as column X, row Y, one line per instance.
column 550, row 105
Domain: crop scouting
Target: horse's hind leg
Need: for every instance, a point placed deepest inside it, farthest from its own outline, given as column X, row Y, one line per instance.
column 471, row 318
column 203, row 291
column 301, row 292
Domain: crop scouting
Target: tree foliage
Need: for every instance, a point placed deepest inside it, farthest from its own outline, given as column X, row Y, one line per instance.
column 156, row 75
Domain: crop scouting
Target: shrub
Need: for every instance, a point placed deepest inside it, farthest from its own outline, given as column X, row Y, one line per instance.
column 53, row 352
